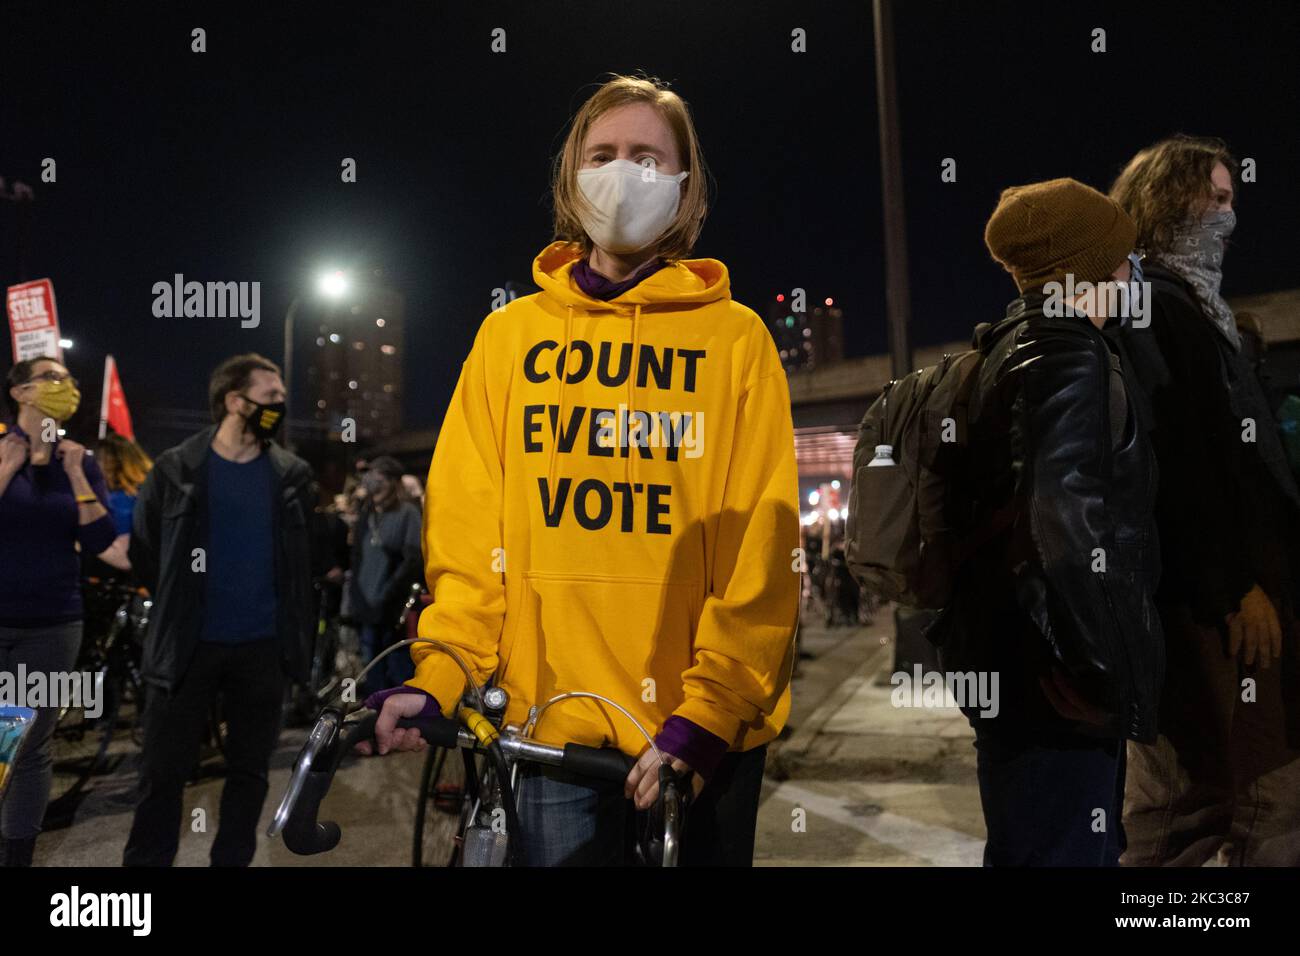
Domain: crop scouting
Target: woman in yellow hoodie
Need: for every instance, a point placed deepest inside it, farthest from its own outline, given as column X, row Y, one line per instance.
column 612, row 504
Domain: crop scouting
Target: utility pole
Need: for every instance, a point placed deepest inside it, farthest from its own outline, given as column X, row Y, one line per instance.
column 898, row 297
column 287, row 369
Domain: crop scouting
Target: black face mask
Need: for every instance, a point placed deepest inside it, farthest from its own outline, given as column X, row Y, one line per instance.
column 265, row 420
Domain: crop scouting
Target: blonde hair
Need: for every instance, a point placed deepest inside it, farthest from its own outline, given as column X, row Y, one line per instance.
column 679, row 239
column 124, row 463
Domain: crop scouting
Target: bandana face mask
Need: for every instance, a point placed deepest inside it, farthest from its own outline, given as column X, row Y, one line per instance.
column 634, row 205
column 1204, row 239
column 1196, row 255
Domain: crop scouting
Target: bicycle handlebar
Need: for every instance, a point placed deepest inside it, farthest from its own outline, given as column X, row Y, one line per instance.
column 438, row 731
column 331, row 739
column 604, row 763
column 296, row 819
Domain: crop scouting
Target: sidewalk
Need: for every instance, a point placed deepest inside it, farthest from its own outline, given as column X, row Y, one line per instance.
column 872, row 784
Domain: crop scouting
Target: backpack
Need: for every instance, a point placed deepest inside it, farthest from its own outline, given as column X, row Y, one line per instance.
column 901, row 541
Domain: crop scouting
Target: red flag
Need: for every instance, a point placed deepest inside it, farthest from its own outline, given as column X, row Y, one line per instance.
column 112, row 409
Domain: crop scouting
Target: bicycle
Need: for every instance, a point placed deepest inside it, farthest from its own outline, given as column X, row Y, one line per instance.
column 493, row 756
column 117, row 616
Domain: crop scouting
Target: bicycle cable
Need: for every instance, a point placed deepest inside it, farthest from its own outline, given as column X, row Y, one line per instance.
column 447, row 649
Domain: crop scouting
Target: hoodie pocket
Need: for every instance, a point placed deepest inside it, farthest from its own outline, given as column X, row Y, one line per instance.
column 627, row 638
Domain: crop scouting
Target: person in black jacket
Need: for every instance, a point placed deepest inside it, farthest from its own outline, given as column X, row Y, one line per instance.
column 1223, row 780
column 1056, row 600
column 220, row 536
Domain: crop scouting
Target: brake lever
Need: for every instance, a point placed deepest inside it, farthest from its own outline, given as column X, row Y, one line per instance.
column 331, row 738
column 660, row 843
column 315, row 755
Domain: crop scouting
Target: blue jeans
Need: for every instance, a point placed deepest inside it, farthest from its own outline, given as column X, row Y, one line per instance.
column 1054, row 802
column 50, row 649
column 576, row 821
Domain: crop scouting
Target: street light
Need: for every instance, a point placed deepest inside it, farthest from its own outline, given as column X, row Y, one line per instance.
column 331, row 285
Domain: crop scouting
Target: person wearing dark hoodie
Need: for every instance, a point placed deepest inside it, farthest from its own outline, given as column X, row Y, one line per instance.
column 612, row 504
column 1222, row 782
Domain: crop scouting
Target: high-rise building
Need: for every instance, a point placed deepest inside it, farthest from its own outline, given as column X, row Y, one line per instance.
column 355, row 369
column 806, row 339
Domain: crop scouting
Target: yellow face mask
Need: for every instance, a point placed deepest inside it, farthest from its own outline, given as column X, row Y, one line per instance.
column 59, row 400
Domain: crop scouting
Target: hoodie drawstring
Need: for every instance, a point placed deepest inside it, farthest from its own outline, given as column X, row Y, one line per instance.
column 633, row 454
column 559, row 418
column 630, row 468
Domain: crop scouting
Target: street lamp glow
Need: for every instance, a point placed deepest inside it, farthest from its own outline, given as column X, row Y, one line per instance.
column 65, row 343
column 333, row 284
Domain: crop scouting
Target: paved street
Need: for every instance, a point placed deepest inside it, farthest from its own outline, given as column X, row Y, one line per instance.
column 854, row 781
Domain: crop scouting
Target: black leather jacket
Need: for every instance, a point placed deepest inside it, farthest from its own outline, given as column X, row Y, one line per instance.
column 1062, row 456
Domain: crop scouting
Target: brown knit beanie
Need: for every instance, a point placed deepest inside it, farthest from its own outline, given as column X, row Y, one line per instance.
column 1043, row 231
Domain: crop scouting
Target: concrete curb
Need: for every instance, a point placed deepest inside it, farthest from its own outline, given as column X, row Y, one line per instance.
column 793, row 750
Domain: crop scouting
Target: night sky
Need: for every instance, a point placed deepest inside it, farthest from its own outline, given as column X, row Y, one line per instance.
column 225, row 165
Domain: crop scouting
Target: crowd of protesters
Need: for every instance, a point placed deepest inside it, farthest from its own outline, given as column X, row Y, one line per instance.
column 225, row 533
column 1157, row 694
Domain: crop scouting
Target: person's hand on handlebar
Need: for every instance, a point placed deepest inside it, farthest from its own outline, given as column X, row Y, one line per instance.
column 642, row 783
column 388, row 736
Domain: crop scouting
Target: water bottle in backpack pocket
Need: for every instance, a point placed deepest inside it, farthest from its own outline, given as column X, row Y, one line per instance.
column 906, row 470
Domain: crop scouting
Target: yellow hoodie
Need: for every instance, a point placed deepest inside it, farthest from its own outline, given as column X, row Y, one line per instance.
column 658, row 572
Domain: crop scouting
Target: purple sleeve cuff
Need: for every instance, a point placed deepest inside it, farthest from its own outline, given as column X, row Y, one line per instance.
column 431, row 708
column 690, row 742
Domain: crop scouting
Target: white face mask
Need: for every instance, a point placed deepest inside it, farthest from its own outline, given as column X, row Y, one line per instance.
column 634, row 204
